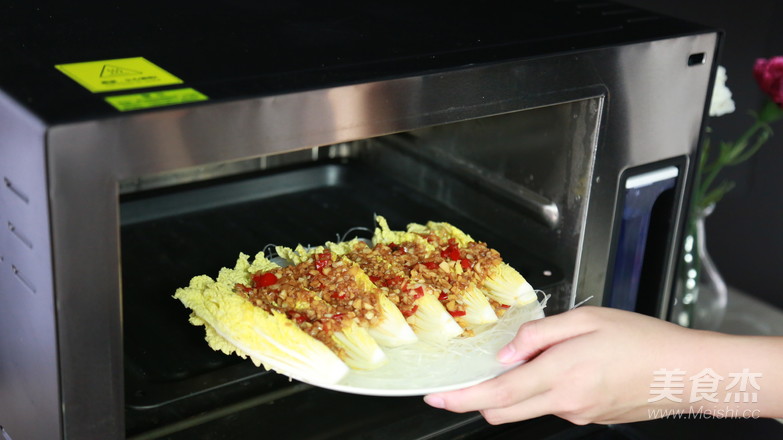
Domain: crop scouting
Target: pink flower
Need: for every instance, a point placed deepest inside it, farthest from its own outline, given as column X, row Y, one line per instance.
column 769, row 75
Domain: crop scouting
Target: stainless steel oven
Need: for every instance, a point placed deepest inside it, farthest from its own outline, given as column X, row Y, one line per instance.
column 562, row 133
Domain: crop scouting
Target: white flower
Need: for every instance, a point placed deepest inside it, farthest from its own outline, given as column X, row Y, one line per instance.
column 721, row 103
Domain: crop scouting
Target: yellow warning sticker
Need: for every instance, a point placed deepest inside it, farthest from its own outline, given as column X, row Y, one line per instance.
column 138, row 101
column 118, row 74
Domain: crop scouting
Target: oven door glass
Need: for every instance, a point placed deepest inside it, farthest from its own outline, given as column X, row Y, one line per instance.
column 517, row 181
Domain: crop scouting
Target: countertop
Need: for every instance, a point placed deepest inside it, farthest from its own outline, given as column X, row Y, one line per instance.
column 746, row 315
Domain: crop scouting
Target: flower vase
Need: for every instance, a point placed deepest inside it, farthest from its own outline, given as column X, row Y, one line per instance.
column 701, row 294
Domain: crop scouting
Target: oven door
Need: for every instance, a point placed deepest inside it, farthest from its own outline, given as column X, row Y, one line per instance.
column 516, row 196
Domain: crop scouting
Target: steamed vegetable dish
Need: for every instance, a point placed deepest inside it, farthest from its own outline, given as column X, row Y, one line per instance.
column 336, row 307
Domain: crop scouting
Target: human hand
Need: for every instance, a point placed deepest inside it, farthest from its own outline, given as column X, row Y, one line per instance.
column 588, row 365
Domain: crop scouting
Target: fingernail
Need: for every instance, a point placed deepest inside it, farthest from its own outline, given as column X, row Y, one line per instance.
column 506, row 354
column 435, row 402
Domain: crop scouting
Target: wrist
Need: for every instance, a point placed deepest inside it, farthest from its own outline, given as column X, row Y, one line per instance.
column 721, row 376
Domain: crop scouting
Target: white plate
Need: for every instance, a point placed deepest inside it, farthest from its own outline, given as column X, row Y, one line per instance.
column 422, row 368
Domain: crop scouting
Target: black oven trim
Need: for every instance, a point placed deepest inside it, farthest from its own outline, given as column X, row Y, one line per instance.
column 660, row 242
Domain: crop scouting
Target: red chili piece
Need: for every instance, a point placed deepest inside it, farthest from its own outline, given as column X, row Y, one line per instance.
column 395, row 281
column 465, row 263
column 443, row 296
column 431, row 265
column 458, row 313
column 323, row 260
column 265, row 279
column 411, row 311
column 451, row 252
column 395, row 247
column 298, row 317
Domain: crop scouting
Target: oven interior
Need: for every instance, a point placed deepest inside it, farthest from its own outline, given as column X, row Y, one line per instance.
column 518, row 181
